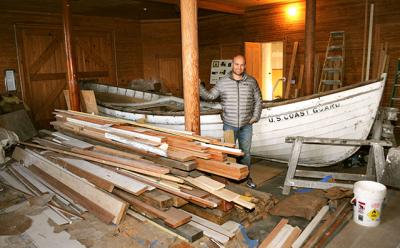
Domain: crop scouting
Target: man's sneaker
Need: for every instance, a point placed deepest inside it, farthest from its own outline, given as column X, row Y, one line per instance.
column 250, row 183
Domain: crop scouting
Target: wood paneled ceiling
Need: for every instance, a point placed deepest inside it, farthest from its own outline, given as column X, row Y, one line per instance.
column 133, row 9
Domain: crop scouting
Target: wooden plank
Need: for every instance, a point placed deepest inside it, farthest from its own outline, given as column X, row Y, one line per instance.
column 310, row 227
column 90, row 134
column 292, row 237
column 211, row 225
column 157, row 199
column 222, row 193
column 88, row 102
column 186, row 196
column 26, row 174
column 281, row 237
column 211, row 233
column 138, row 145
column 103, row 128
column 121, row 181
column 273, row 233
column 186, row 166
column 191, row 146
column 177, row 201
column 317, row 234
column 244, row 203
column 25, row 182
column 115, row 152
column 300, row 83
column 47, row 76
column 13, row 182
column 108, row 203
column 72, row 142
column 94, row 208
column 229, row 170
column 132, row 131
column 212, row 184
column 185, row 232
column 130, row 168
column 291, row 69
column 180, row 155
column 141, row 164
column 191, row 153
column 172, row 217
column 214, row 215
column 227, row 150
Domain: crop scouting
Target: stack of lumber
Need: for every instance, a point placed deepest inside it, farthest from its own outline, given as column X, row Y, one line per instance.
column 183, row 150
column 105, row 166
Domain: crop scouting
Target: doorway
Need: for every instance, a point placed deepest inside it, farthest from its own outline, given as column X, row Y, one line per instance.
column 264, row 61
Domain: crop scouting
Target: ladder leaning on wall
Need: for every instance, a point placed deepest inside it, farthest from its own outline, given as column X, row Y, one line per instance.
column 332, row 70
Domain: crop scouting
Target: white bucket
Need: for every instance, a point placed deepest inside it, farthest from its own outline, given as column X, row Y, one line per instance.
column 368, row 199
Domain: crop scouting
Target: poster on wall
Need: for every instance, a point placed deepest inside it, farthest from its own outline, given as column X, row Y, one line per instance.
column 219, row 68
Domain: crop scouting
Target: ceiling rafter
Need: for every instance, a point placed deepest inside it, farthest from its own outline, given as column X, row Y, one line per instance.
column 210, row 5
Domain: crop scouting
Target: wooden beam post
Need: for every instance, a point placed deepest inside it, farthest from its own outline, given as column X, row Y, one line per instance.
column 71, row 72
column 309, row 46
column 190, row 63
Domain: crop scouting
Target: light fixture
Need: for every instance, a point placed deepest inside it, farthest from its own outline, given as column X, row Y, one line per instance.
column 292, row 11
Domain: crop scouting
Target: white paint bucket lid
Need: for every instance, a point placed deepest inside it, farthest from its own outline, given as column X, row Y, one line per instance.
column 373, row 189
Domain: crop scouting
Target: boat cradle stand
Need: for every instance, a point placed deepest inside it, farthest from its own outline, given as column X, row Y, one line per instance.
column 375, row 167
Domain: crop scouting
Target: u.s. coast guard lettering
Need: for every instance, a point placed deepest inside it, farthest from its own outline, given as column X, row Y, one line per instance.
column 306, row 112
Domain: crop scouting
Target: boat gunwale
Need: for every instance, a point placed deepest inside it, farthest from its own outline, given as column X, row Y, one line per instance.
column 321, row 94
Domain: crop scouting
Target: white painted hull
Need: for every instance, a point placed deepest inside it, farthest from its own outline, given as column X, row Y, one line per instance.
column 347, row 114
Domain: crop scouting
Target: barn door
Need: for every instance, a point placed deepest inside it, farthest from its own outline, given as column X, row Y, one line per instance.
column 170, row 73
column 42, row 64
column 253, row 54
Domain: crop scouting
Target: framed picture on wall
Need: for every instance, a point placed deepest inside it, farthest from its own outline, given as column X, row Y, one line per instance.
column 219, row 69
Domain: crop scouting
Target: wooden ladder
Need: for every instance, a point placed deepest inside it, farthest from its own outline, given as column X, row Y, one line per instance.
column 395, row 97
column 332, row 70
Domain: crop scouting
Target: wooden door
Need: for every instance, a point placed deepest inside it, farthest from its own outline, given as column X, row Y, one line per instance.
column 42, row 64
column 170, row 73
column 253, row 54
column 43, row 69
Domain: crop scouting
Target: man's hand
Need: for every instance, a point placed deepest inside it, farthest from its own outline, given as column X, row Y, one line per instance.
column 252, row 121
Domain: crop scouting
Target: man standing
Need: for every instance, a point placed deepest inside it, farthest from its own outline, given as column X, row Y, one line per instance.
column 241, row 106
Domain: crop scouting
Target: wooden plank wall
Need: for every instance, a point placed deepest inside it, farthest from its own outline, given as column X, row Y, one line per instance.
column 220, row 37
column 270, row 23
column 162, row 52
column 161, row 41
column 128, row 49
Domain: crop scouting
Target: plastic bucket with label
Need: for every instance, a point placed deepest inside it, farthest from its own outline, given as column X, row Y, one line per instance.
column 368, row 199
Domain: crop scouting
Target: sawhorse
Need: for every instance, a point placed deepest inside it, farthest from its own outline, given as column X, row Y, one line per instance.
column 375, row 167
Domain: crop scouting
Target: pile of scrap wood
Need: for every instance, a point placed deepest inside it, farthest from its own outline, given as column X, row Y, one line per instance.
column 105, row 166
column 179, row 149
column 325, row 224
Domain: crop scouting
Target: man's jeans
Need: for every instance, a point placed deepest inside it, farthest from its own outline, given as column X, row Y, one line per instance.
column 244, row 135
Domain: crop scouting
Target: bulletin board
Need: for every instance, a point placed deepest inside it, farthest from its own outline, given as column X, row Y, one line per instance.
column 219, row 68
